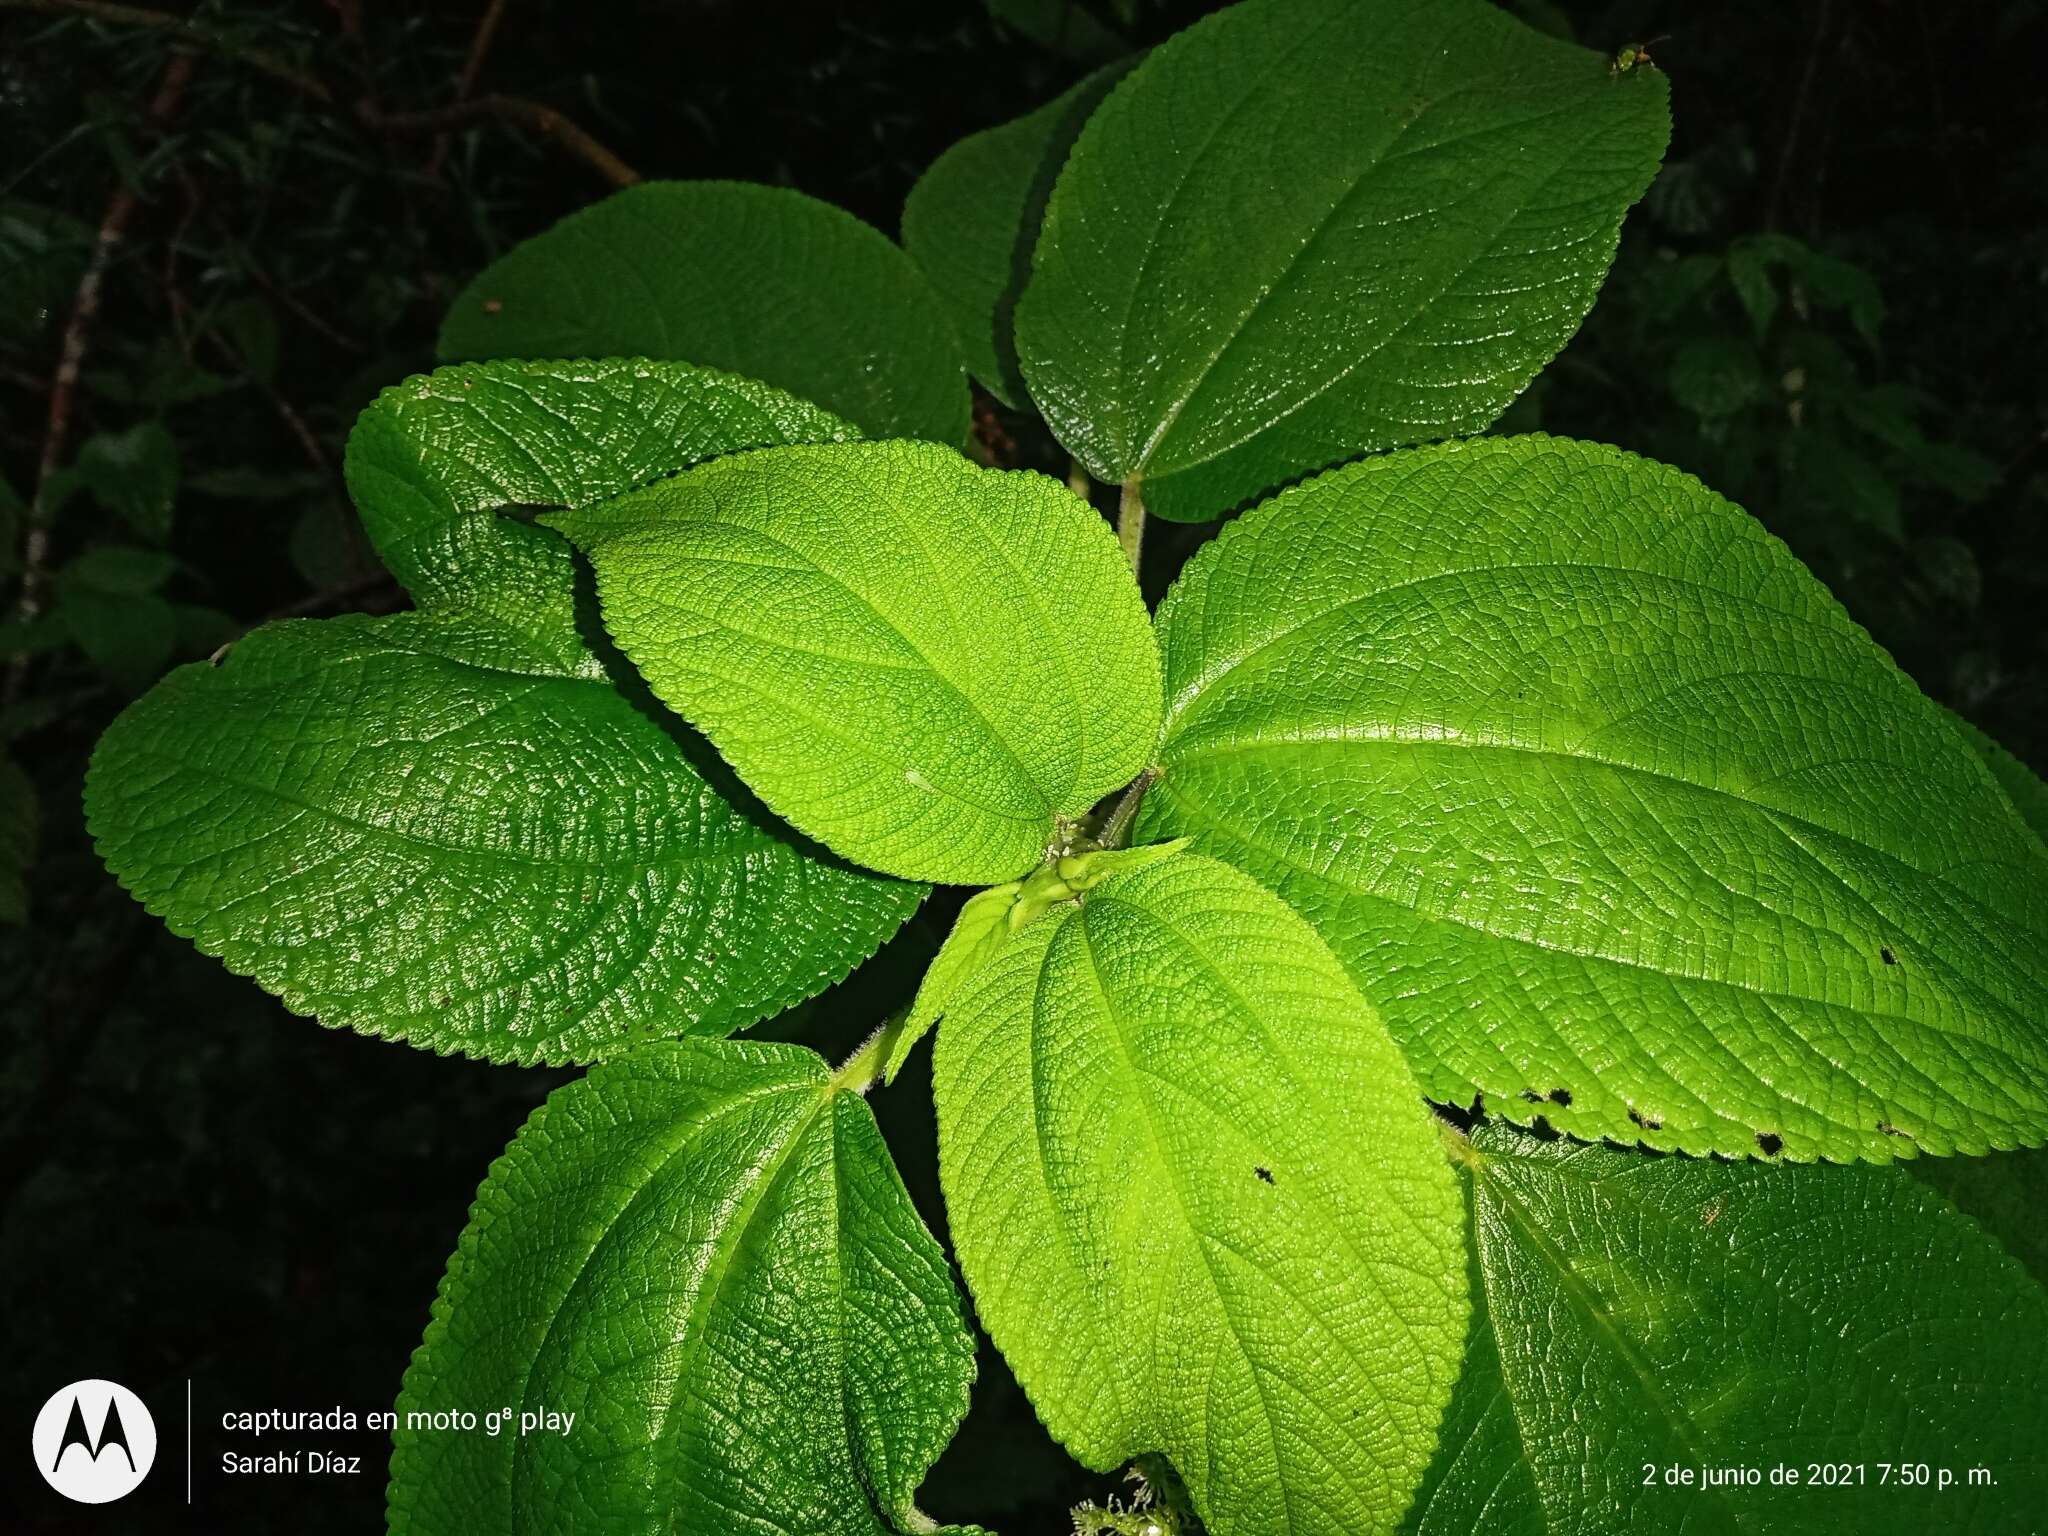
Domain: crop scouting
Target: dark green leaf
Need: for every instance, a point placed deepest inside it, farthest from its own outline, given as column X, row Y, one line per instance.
column 1642, row 1313
column 705, row 1254
column 758, row 280
column 1306, row 228
column 455, row 826
column 972, row 219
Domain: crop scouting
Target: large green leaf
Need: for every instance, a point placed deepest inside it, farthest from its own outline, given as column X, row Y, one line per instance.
column 922, row 664
column 1611, row 809
column 762, row 281
column 456, row 826
column 704, row 1253
column 972, row 219
column 1304, row 228
column 2021, row 784
column 1199, row 1203
column 2007, row 1194
column 1637, row 1313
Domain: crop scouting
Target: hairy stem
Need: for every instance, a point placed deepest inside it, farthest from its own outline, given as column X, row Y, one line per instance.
column 1130, row 525
column 1116, row 827
column 863, row 1069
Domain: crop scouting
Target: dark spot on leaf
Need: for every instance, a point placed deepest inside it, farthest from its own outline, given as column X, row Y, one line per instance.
column 1647, row 1122
column 1887, row 956
column 1892, row 1130
column 1561, row 1097
column 440, row 1002
column 1265, row 1174
column 1770, row 1143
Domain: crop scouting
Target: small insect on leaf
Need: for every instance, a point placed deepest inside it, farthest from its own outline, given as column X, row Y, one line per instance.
column 1630, row 55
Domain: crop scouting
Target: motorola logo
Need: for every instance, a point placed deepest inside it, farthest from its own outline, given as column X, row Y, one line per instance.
column 94, row 1441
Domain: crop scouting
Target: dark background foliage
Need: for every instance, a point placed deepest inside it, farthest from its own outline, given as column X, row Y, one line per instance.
column 1830, row 307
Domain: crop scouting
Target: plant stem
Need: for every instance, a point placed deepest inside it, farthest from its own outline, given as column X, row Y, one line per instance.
column 543, row 120
column 259, row 59
column 533, row 115
column 1116, row 828
column 85, row 309
column 1130, row 525
column 1078, row 481
column 863, row 1069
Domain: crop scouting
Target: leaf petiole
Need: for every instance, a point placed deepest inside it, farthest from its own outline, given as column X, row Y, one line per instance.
column 863, row 1069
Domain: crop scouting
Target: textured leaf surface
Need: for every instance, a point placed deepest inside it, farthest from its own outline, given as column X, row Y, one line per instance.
column 1611, row 809
column 704, row 1252
column 972, row 219
column 990, row 917
column 2021, row 784
column 2006, row 1194
column 1306, row 228
column 920, row 663
column 1642, row 1311
column 1199, row 1203
column 454, row 826
column 762, row 281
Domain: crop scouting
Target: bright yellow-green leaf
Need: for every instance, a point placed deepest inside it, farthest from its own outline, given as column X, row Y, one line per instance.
column 1611, row 809
column 1199, row 1203
column 925, row 665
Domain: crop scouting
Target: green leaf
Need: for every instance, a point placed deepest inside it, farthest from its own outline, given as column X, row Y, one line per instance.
column 2021, row 784
column 972, row 219
column 989, row 918
column 979, row 934
column 2004, row 1194
column 1749, row 271
column 120, row 570
column 130, row 637
column 922, row 664
column 463, row 826
column 1610, row 808
column 705, row 1253
column 1642, row 1313
column 1065, row 27
column 133, row 474
column 762, row 281
column 1716, row 376
column 1199, row 1204
column 1306, row 228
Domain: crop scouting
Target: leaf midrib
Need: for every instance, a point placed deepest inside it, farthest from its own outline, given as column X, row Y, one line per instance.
column 1586, row 1300
column 1961, row 898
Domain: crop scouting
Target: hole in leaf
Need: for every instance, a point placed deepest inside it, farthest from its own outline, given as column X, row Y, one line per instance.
column 1647, row 1122
column 1530, row 1095
column 1770, row 1143
column 1561, row 1097
column 1266, row 1174
column 1887, row 956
